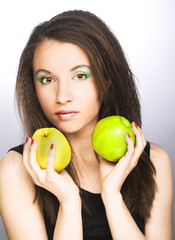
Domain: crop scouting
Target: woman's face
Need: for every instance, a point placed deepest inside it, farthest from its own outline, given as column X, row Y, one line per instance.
column 65, row 87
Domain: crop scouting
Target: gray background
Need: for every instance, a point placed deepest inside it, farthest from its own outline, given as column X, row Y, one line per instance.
column 145, row 29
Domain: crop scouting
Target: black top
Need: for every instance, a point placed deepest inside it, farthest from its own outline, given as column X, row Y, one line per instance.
column 95, row 225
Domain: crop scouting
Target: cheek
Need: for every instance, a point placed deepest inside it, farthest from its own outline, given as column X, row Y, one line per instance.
column 89, row 97
column 44, row 98
column 39, row 95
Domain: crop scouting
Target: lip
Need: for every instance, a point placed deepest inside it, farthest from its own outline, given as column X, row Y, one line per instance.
column 66, row 114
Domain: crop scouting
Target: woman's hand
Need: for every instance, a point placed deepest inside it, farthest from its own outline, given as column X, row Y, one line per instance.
column 60, row 184
column 114, row 175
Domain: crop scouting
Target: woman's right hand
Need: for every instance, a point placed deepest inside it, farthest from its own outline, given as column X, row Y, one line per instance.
column 60, row 184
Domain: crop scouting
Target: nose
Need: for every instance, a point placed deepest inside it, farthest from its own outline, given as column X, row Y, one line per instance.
column 64, row 93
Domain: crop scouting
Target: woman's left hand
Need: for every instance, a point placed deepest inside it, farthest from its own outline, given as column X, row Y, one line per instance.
column 113, row 175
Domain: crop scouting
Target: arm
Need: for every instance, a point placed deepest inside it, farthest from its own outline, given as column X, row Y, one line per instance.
column 22, row 218
column 68, row 224
column 159, row 226
column 121, row 223
column 69, row 220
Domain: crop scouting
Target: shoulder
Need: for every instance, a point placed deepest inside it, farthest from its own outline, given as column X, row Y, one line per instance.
column 160, row 158
column 164, row 179
column 11, row 166
column 13, row 177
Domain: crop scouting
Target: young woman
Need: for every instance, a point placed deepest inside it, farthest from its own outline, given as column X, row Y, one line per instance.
column 73, row 73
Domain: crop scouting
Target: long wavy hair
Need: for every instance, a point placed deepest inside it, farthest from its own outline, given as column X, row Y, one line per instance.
column 117, row 89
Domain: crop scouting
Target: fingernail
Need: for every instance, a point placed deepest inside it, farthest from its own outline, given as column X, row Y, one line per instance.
column 135, row 124
column 27, row 139
column 128, row 135
column 32, row 141
column 51, row 147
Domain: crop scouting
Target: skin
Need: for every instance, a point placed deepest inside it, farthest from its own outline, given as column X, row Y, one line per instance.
column 65, row 91
column 68, row 89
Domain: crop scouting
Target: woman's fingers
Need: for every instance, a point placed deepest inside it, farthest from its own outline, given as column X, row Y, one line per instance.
column 139, row 135
column 60, row 184
column 32, row 156
column 130, row 144
column 133, row 153
column 126, row 163
column 140, row 140
column 50, row 171
column 26, row 153
column 30, row 162
column 26, row 156
column 51, row 158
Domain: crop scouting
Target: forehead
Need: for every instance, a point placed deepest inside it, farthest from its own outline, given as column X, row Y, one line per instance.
column 52, row 53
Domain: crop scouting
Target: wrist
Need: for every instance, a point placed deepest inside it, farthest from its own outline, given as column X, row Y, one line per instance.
column 72, row 204
column 110, row 197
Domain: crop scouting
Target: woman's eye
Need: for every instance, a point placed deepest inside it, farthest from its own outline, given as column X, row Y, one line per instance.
column 82, row 76
column 48, row 80
column 45, row 80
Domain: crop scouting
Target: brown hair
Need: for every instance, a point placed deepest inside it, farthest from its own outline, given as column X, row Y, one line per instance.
column 116, row 86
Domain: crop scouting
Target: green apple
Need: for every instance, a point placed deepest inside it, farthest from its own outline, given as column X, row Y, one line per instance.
column 47, row 136
column 108, row 137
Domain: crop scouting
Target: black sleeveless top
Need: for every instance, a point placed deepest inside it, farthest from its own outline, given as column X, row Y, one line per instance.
column 95, row 225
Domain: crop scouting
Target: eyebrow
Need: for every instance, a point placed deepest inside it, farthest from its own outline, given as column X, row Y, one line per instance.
column 79, row 66
column 72, row 69
column 41, row 70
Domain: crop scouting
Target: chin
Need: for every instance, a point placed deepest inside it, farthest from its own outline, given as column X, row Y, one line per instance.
column 68, row 128
column 75, row 127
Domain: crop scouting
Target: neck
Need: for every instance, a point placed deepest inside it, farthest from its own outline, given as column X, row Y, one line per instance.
column 81, row 145
column 85, row 161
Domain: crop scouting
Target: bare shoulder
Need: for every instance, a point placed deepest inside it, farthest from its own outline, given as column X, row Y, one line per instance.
column 157, row 151
column 11, row 167
column 160, row 159
column 164, row 178
column 11, row 161
column 14, row 177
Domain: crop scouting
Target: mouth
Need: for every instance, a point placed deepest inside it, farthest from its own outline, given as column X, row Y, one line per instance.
column 66, row 114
